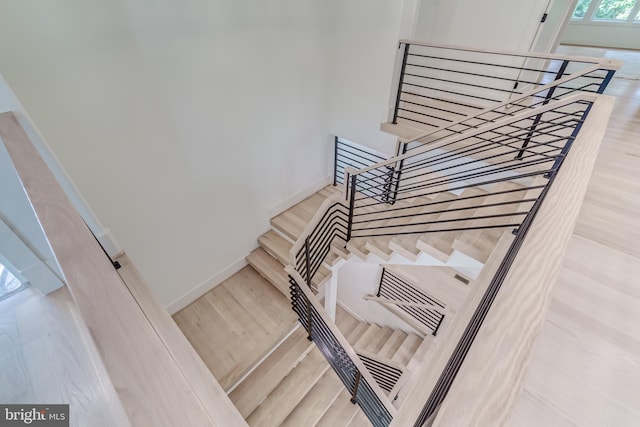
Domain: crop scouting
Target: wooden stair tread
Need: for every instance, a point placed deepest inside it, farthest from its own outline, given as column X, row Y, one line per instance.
column 392, row 344
column 293, row 221
column 368, row 336
column 291, row 390
column 316, row 402
column 357, row 247
column 357, row 332
column 341, row 412
column 381, row 338
column 276, row 245
column 440, row 245
column 479, row 243
column 407, row 349
column 345, row 322
column 270, row 269
column 379, row 246
column 360, row 420
column 266, row 377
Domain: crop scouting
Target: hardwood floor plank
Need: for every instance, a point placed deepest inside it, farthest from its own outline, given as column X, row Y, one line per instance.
column 236, row 324
column 585, row 368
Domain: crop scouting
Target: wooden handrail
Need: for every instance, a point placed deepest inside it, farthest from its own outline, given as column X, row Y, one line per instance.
column 511, row 101
column 488, row 383
column 364, row 372
column 607, row 64
column 324, row 207
column 582, row 96
column 158, row 384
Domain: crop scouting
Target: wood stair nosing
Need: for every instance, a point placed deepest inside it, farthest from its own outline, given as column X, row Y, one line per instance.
column 369, row 336
column 382, row 337
column 340, row 413
column 440, row 245
column 360, row 420
column 392, row 344
column 316, row 402
column 407, row 349
column 406, row 245
column 269, row 268
column 276, row 245
column 357, row 332
column 380, row 247
column 418, row 361
column 293, row 221
column 347, row 326
column 285, row 397
column 357, row 247
column 479, row 243
column 266, row 377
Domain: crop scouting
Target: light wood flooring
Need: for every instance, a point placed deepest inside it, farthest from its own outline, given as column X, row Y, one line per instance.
column 47, row 356
column 585, row 367
column 236, row 323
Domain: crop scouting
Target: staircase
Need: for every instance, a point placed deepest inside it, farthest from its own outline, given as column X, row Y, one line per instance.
column 295, row 386
column 472, row 182
column 273, row 254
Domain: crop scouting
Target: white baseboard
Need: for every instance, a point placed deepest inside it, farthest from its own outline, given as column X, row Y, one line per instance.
column 280, row 207
column 352, row 313
column 205, row 286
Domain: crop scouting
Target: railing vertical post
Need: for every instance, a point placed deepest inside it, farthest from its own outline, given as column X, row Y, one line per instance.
column 605, row 81
column 307, row 260
column 547, row 98
column 309, row 337
column 435, row 331
column 401, row 149
column 405, row 53
column 380, row 285
column 356, row 384
column 352, row 197
column 335, row 161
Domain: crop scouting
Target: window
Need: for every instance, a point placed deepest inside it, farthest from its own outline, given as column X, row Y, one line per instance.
column 614, row 11
column 581, row 9
column 8, row 282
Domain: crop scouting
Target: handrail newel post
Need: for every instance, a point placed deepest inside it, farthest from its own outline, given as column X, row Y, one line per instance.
column 352, row 198
column 404, row 46
column 335, row 160
column 547, row 98
column 356, row 384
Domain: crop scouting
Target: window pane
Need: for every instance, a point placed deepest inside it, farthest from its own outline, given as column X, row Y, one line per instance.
column 638, row 16
column 614, row 9
column 581, row 9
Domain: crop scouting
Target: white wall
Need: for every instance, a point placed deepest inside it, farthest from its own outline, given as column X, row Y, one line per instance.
column 602, row 34
column 182, row 123
column 365, row 40
column 490, row 24
column 355, row 280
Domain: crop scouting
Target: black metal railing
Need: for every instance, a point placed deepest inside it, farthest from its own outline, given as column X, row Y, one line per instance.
column 438, row 85
column 492, row 167
column 311, row 251
column 426, row 310
column 353, row 155
column 384, row 372
column 482, row 159
column 347, row 365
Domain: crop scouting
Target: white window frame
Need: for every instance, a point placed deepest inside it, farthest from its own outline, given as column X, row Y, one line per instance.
column 590, row 16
